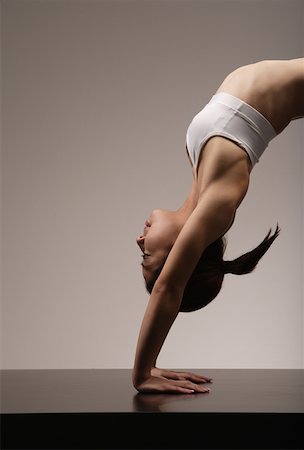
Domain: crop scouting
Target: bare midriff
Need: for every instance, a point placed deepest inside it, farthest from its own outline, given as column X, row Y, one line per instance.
column 274, row 88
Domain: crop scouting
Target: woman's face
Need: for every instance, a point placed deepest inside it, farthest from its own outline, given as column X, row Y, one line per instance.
column 157, row 240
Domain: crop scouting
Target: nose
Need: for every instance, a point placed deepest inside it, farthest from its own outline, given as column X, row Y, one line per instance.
column 140, row 242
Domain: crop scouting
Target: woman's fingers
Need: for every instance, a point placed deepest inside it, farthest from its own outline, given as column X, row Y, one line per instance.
column 191, row 386
column 157, row 384
column 199, row 378
column 181, row 390
column 180, row 375
column 190, row 376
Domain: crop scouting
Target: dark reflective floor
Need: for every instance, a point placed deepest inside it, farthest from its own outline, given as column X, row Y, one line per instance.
column 69, row 409
column 111, row 391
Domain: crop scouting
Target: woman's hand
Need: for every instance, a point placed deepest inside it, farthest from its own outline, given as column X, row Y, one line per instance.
column 173, row 375
column 159, row 384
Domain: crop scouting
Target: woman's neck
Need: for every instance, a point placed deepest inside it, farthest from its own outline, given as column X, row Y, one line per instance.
column 190, row 203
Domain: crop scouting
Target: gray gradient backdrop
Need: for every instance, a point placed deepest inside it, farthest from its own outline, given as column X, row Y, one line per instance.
column 97, row 97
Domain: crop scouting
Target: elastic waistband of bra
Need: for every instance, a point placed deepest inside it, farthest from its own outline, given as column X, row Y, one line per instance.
column 251, row 113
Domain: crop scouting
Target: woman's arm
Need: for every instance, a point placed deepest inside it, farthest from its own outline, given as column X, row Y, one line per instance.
column 160, row 314
column 211, row 219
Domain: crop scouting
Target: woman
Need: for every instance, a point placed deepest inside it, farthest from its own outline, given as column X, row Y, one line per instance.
column 183, row 250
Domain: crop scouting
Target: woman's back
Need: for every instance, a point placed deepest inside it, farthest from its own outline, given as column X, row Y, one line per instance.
column 274, row 88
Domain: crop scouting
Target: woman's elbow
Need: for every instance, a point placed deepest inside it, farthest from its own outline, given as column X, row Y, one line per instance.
column 169, row 293
column 169, row 289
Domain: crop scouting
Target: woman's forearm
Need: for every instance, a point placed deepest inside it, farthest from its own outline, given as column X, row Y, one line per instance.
column 160, row 314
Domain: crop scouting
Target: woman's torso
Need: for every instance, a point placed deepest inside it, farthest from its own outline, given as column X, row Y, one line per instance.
column 274, row 88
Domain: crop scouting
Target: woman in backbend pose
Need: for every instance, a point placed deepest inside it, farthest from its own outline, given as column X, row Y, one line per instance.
column 183, row 250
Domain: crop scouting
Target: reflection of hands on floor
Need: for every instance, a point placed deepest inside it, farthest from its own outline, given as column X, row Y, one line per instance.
column 155, row 403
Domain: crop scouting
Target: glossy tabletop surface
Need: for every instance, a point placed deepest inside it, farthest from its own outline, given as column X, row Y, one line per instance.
column 111, row 391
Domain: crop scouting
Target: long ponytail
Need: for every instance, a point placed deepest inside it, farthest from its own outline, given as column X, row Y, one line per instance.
column 247, row 262
column 206, row 281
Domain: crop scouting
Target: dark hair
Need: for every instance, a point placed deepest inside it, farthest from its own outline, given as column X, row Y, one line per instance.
column 207, row 278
